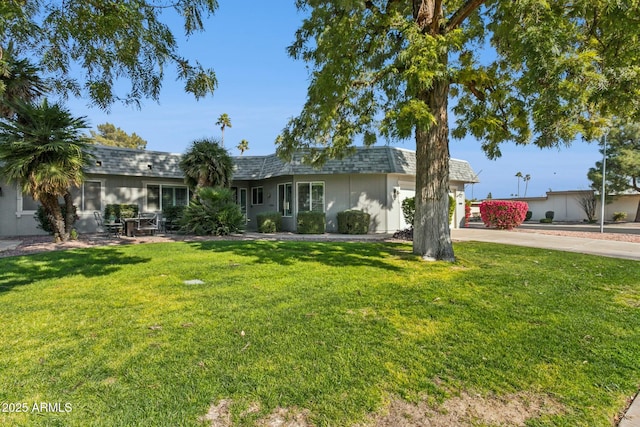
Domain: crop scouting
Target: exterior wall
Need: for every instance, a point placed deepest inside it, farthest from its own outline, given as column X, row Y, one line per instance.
column 366, row 192
column 566, row 207
column 13, row 220
column 114, row 189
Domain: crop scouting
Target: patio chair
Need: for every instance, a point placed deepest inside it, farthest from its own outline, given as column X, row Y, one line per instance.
column 146, row 221
column 110, row 228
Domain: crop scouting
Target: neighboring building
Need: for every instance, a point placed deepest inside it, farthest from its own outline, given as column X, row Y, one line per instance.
column 566, row 205
column 374, row 180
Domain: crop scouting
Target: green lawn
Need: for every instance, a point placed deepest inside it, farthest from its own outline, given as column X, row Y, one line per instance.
column 334, row 329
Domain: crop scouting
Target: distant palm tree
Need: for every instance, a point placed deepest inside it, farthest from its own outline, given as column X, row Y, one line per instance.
column 224, row 122
column 518, row 175
column 43, row 150
column 207, row 164
column 243, row 146
column 526, row 180
column 19, row 81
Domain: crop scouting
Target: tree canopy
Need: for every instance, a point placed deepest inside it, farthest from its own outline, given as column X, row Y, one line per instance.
column 108, row 41
column 207, row 164
column 623, row 161
column 524, row 71
column 109, row 134
column 43, row 150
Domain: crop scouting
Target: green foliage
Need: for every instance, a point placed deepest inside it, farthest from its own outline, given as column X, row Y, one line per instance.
column 409, row 210
column 43, row 220
column 110, row 135
column 311, row 222
column 119, row 211
column 318, row 326
column 269, row 222
column 173, row 216
column 528, row 216
column 19, row 81
column 389, row 69
column 207, row 164
column 213, row 211
column 452, row 207
column 619, row 216
column 43, row 150
column 623, row 161
column 546, row 220
column 107, row 40
column 353, row 222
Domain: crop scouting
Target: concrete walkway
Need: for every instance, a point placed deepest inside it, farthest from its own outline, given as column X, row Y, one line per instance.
column 608, row 248
column 9, row 245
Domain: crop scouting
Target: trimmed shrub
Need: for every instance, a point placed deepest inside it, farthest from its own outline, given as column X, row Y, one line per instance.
column 546, row 221
column 213, row 212
column 503, row 214
column 353, row 222
column 528, row 216
column 311, row 222
column 409, row 210
column 269, row 222
column 172, row 215
column 549, row 215
column 619, row 216
column 119, row 211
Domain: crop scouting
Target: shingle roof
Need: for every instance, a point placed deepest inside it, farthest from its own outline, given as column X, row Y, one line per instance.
column 130, row 162
column 379, row 160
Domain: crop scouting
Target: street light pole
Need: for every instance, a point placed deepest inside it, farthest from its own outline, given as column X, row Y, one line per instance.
column 604, row 172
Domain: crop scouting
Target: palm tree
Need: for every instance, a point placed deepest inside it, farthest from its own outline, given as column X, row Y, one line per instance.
column 243, row 146
column 43, row 150
column 223, row 121
column 207, row 164
column 518, row 175
column 526, row 180
column 19, row 81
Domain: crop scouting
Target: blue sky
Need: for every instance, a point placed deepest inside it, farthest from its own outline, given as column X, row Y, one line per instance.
column 261, row 87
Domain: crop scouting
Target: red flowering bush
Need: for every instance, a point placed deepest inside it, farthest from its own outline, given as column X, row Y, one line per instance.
column 503, row 214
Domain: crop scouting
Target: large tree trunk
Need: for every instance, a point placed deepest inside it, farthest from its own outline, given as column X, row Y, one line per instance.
column 70, row 215
column 52, row 210
column 432, row 238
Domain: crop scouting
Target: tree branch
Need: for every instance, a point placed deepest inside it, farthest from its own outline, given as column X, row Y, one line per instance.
column 461, row 14
column 437, row 15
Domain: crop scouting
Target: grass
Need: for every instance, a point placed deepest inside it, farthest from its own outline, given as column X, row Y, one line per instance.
column 334, row 328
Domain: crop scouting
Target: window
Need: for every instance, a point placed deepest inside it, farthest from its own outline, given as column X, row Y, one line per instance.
column 311, row 196
column 161, row 196
column 256, row 196
column 28, row 204
column 92, row 196
column 285, row 193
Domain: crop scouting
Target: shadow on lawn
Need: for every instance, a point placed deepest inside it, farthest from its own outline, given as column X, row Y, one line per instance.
column 24, row 270
column 329, row 253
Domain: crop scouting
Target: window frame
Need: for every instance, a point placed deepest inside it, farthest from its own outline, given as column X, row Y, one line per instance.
column 257, row 196
column 286, row 213
column 160, row 186
column 83, row 200
column 310, row 184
